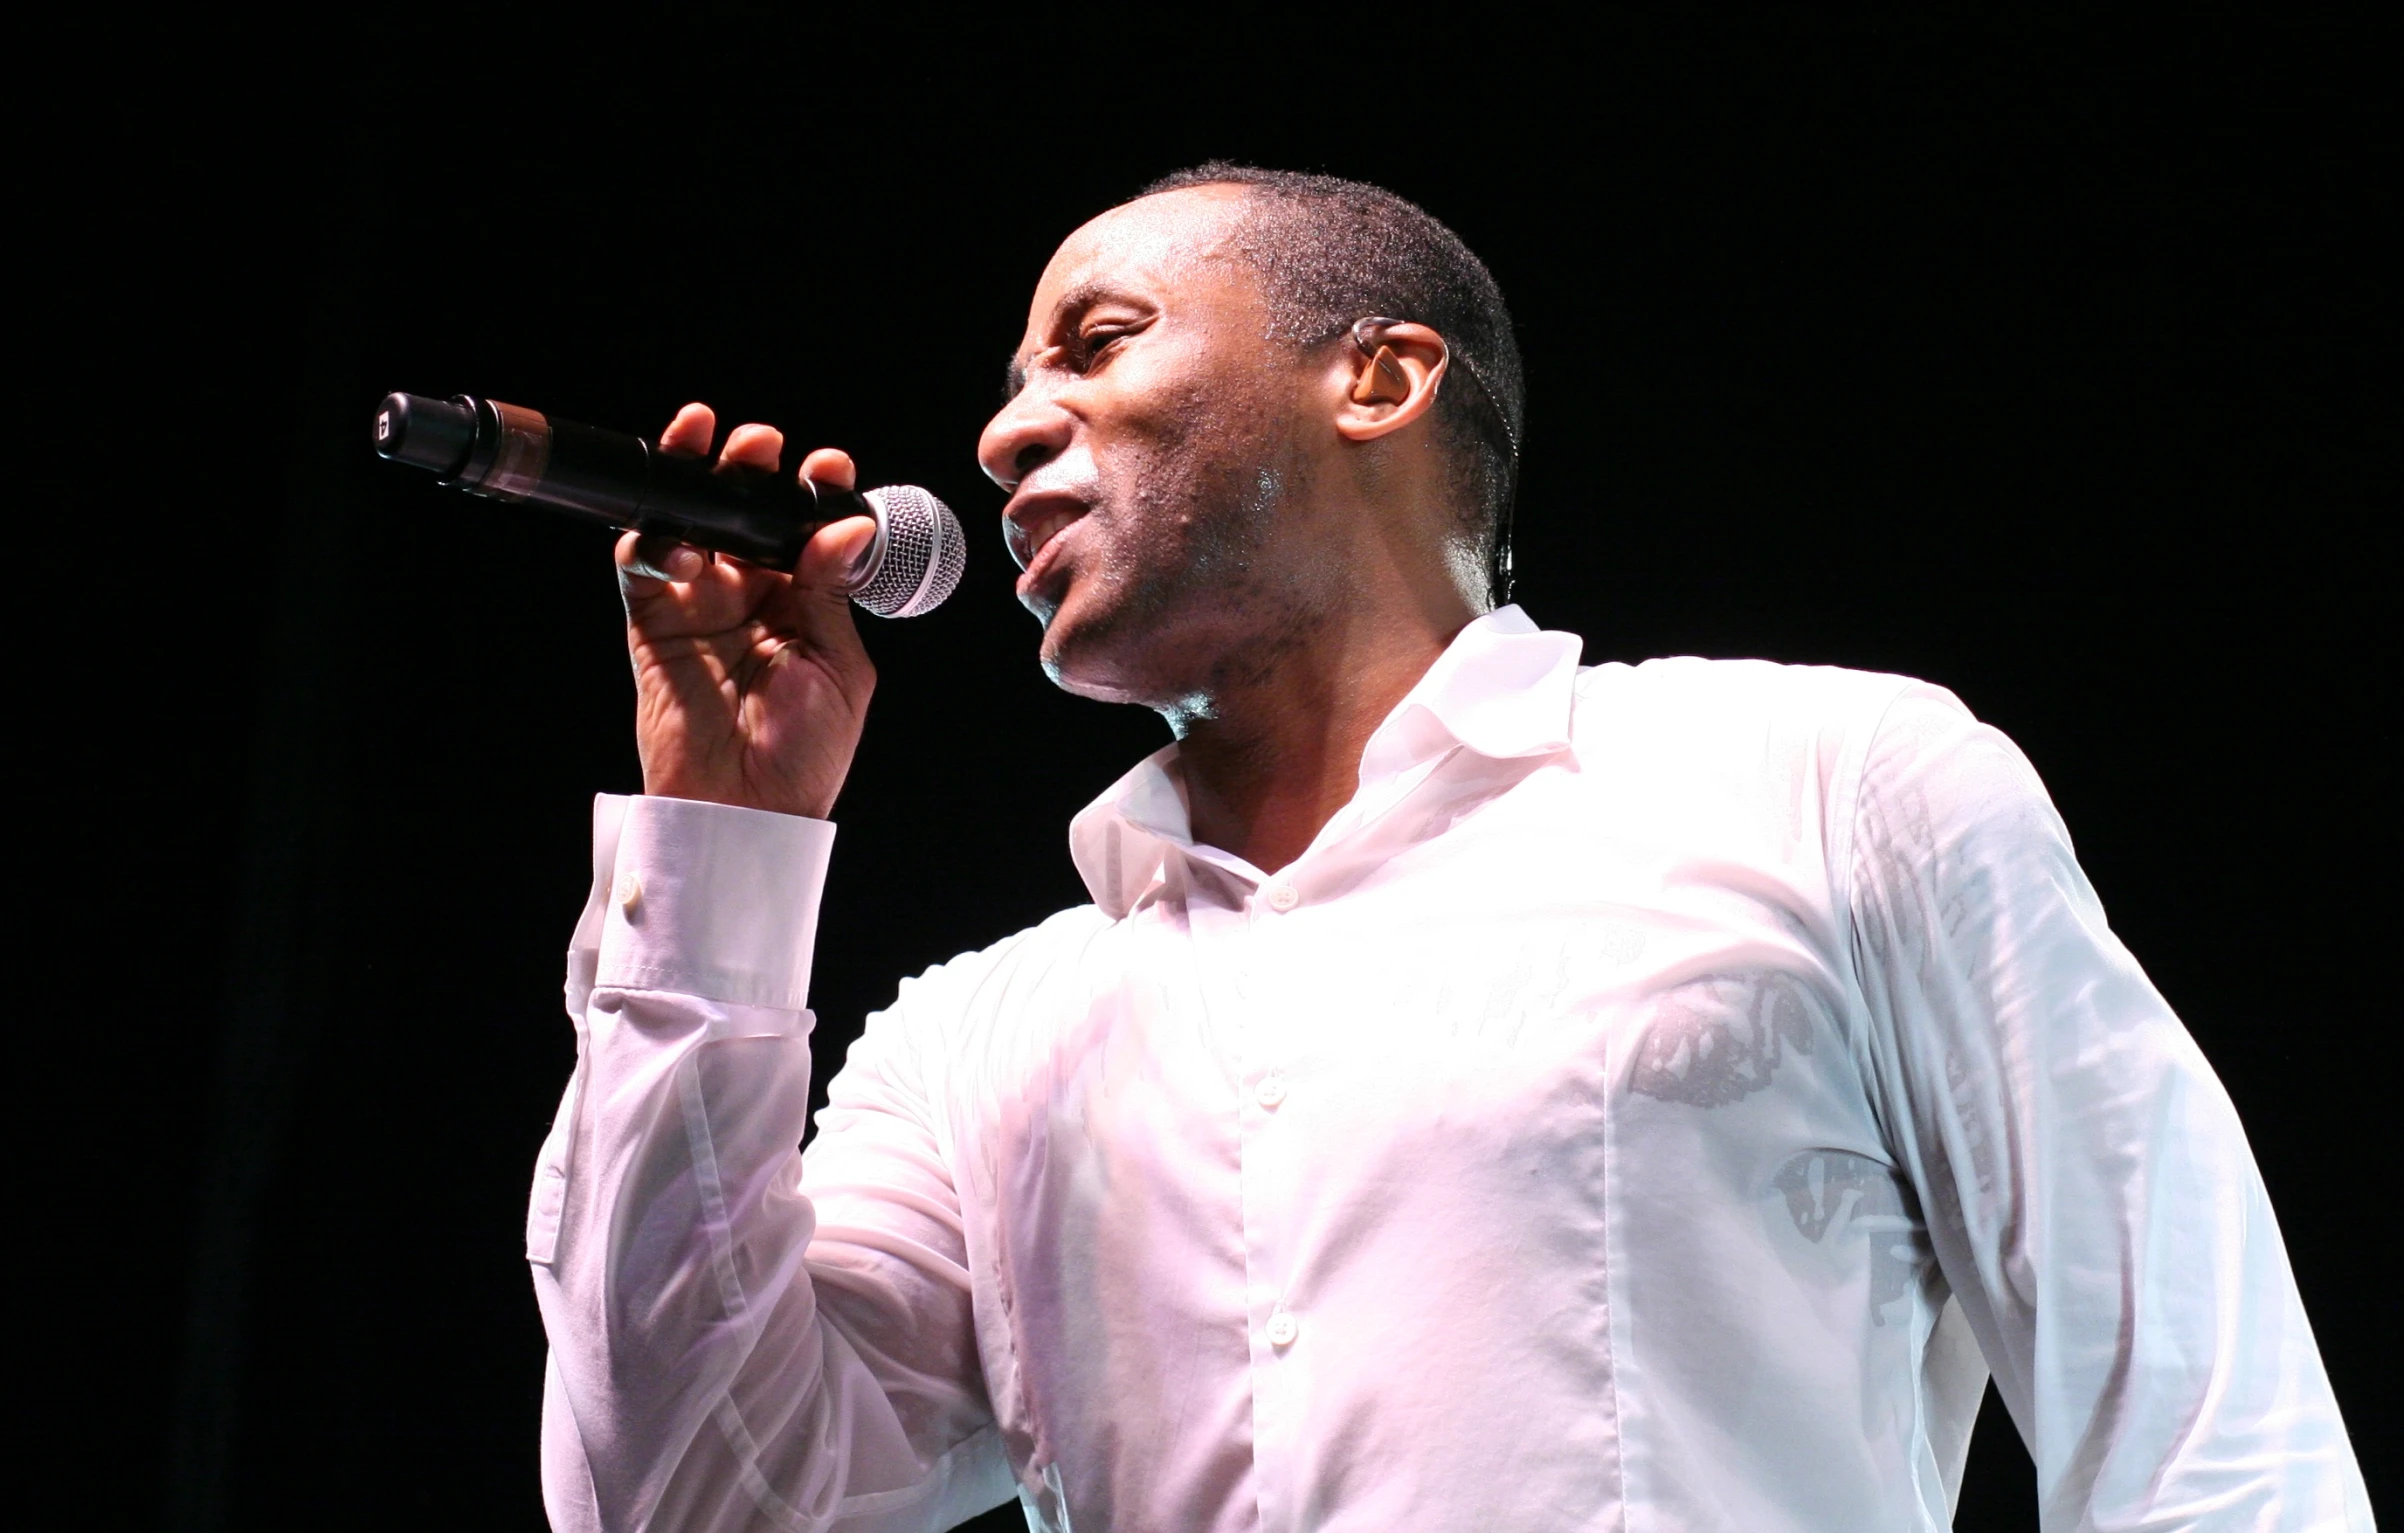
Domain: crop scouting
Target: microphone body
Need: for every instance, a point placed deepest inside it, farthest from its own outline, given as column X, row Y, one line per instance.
column 508, row 452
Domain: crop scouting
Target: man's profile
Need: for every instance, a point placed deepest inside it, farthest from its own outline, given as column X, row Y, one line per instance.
column 1484, row 1092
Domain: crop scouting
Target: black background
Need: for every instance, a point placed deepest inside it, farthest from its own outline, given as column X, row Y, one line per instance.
column 2055, row 366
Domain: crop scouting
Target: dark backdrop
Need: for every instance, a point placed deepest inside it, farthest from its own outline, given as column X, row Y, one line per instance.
column 2056, row 367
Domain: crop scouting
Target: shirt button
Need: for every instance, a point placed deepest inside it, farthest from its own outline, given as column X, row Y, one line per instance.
column 1283, row 1328
column 630, row 892
column 1282, row 896
column 1270, row 1091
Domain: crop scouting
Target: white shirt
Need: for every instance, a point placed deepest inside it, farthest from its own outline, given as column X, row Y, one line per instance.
column 1654, row 1103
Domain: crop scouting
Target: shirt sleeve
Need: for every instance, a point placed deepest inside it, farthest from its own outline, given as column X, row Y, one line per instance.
column 2088, row 1188
column 719, row 1360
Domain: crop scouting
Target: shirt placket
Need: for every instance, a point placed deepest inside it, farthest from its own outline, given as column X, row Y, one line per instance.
column 1263, row 1038
column 1250, row 960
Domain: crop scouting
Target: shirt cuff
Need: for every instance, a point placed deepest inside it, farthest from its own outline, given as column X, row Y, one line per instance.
column 710, row 900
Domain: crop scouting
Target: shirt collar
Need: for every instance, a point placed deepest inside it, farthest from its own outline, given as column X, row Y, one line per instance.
column 1501, row 689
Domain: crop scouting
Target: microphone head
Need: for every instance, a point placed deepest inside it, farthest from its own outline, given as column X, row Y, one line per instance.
column 919, row 555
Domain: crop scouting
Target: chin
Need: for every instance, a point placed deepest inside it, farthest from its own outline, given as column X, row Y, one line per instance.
column 1119, row 656
column 1088, row 670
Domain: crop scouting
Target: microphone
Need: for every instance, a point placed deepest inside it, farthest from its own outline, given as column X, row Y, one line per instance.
column 508, row 452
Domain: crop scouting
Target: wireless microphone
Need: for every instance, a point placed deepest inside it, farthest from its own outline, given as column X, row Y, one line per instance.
column 508, row 452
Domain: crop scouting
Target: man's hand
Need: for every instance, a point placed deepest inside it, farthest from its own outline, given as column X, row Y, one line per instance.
column 750, row 684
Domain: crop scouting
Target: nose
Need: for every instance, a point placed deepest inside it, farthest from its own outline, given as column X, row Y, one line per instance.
column 1029, row 432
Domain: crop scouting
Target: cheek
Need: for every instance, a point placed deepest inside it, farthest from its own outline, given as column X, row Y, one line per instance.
column 1192, row 443
column 1148, row 426
column 1190, row 465
column 1180, row 400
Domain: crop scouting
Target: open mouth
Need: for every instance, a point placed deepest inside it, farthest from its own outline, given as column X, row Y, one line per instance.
column 1029, row 528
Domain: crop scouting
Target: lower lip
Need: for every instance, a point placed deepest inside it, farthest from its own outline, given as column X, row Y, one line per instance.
column 1041, row 564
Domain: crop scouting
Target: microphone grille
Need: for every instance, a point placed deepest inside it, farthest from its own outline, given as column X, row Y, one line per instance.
column 922, row 558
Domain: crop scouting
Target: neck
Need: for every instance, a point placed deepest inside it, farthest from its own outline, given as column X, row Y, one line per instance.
column 1269, row 762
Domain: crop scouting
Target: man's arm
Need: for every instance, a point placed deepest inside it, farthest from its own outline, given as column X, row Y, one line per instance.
column 719, row 1361
column 2089, row 1191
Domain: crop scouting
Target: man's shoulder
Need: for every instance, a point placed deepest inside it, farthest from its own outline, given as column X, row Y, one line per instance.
column 1711, row 734
column 1688, row 697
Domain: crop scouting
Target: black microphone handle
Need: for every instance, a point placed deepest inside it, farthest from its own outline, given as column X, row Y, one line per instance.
column 508, row 452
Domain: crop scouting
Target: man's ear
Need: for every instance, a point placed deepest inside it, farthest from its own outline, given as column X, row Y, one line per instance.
column 1394, row 384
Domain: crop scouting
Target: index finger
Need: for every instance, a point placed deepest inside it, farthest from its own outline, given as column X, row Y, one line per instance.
column 832, row 467
column 688, row 436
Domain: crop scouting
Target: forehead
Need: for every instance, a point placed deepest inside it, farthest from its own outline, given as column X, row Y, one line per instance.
column 1149, row 248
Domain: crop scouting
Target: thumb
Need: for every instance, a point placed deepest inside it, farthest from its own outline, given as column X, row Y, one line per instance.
column 836, row 557
column 824, row 579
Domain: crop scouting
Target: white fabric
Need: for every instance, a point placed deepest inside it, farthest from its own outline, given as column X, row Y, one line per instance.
column 1653, row 1104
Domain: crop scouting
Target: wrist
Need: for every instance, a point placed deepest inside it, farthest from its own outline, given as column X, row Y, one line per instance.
column 737, row 796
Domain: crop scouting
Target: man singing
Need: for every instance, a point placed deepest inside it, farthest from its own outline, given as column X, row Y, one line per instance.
column 1485, row 1092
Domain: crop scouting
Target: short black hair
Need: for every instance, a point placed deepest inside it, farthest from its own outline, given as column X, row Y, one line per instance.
column 1332, row 251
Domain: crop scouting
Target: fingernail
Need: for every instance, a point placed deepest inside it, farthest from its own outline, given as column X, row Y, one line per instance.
column 864, row 562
